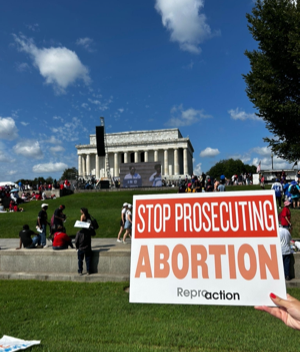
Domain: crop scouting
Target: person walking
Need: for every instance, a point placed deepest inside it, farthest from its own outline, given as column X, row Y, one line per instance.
column 128, row 223
column 277, row 187
column 122, row 221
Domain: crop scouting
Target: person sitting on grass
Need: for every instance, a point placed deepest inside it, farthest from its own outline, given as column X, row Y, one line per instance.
column 27, row 241
column 61, row 240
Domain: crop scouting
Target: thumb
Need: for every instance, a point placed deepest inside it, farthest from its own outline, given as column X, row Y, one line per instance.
column 285, row 303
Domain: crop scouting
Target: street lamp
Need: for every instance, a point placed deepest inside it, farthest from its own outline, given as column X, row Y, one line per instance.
column 272, row 159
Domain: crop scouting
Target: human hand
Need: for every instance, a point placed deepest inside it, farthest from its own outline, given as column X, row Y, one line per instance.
column 287, row 310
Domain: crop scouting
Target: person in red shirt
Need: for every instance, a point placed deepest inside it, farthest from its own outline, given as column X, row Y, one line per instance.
column 61, row 240
column 285, row 215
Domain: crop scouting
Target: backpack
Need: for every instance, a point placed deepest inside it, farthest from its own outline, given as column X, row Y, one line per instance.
column 94, row 223
column 294, row 190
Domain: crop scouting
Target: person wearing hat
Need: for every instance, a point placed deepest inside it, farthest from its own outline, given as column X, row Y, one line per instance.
column 42, row 223
column 128, row 223
column 285, row 215
column 122, row 221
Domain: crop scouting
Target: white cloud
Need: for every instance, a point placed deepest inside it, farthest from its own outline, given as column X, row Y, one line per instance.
column 29, row 149
column 23, row 67
column 24, row 123
column 11, row 172
column 102, row 106
column 242, row 115
column 185, row 117
column 86, row 43
column 266, row 163
column 49, row 167
column 57, row 149
column 198, row 170
column 58, row 118
column 121, row 110
column 183, row 20
column 265, row 151
column 53, row 140
column 69, row 131
column 33, row 27
column 8, row 129
column 209, row 152
column 59, row 66
column 86, row 106
column 4, row 157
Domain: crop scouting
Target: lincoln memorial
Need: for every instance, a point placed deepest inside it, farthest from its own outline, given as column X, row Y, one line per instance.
column 174, row 152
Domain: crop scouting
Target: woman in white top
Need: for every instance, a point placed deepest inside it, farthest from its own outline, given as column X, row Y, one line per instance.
column 122, row 221
column 128, row 223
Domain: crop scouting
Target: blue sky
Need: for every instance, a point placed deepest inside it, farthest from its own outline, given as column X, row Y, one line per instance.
column 150, row 64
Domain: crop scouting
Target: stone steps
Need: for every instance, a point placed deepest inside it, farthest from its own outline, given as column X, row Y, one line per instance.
column 110, row 262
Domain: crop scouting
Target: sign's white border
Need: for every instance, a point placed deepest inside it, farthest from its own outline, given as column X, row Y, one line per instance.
column 207, row 291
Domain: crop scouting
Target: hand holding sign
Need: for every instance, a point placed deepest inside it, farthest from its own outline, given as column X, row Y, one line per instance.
column 288, row 310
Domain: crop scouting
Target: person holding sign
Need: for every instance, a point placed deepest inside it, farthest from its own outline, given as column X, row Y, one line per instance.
column 287, row 310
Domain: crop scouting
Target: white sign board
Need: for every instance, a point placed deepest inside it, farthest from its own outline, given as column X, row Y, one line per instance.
column 206, row 248
column 82, row 224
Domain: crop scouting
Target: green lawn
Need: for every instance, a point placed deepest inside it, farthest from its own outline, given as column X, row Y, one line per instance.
column 98, row 317
column 104, row 206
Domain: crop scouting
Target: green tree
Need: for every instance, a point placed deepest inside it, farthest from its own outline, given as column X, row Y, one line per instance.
column 273, row 84
column 69, row 174
column 230, row 167
column 49, row 180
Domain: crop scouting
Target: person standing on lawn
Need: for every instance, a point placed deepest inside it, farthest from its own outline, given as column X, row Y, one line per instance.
column 294, row 190
column 122, row 222
column 277, row 187
column 285, row 215
column 42, row 223
column 285, row 239
column 128, row 223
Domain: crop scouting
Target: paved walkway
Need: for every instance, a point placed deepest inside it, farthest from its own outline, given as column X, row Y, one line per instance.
column 97, row 243
column 11, row 243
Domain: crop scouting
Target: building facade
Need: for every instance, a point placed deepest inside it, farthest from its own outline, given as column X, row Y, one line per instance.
column 166, row 146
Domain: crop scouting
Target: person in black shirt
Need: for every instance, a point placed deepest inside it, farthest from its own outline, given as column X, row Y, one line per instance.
column 59, row 217
column 42, row 223
column 27, row 241
column 83, row 242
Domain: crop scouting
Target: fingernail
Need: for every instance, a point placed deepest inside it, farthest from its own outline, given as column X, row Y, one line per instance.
column 272, row 295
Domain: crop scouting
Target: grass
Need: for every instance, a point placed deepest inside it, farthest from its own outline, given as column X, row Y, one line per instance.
column 104, row 206
column 98, row 317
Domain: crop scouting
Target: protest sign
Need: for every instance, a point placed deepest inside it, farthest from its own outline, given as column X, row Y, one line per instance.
column 206, row 248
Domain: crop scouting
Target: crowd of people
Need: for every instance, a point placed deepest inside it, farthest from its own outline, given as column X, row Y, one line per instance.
column 60, row 240
column 10, row 197
column 203, row 183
